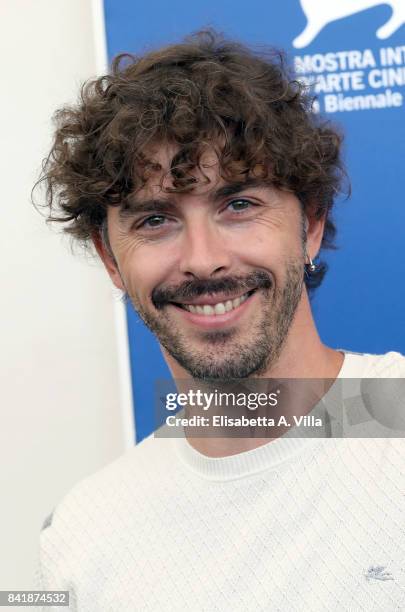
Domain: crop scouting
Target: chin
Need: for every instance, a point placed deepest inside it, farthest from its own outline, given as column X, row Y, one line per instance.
column 222, row 369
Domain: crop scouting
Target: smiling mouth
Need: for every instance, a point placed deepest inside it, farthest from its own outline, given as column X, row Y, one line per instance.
column 219, row 308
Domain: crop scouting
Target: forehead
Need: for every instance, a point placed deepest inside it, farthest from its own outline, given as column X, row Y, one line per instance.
column 160, row 188
column 163, row 163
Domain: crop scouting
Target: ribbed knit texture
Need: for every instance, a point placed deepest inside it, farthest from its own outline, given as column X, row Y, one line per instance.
column 294, row 525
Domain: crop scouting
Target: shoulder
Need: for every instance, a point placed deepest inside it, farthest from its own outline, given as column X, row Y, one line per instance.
column 114, row 488
column 94, row 521
column 99, row 513
column 389, row 365
column 367, row 365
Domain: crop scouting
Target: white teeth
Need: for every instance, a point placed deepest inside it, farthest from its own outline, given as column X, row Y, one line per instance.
column 217, row 309
column 208, row 310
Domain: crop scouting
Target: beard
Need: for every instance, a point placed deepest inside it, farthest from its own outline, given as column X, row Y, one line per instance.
column 231, row 353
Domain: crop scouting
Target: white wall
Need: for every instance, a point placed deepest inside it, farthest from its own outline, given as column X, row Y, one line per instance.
column 60, row 410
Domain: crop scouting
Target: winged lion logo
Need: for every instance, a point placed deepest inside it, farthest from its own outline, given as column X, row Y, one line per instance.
column 320, row 13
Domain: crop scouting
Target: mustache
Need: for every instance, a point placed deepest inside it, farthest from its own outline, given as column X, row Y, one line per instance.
column 161, row 296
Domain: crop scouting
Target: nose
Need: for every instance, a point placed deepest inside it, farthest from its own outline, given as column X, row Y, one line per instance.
column 204, row 253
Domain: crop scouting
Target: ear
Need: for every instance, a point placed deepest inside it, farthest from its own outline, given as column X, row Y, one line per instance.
column 108, row 260
column 314, row 231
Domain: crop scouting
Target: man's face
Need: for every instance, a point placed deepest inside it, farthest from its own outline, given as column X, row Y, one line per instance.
column 216, row 273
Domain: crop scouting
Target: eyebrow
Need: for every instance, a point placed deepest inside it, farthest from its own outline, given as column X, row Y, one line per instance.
column 153, row 205
column 231, row 189
column 157, row 205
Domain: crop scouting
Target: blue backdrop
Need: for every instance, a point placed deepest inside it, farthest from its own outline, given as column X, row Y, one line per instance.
column 361, row 85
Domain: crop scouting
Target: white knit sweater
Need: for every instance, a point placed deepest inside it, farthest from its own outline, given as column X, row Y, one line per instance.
column 294, row 525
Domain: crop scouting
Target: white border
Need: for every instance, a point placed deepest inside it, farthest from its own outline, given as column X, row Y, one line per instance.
column 124, row 371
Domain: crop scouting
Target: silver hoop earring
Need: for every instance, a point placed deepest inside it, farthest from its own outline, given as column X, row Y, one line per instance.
column 310, row 266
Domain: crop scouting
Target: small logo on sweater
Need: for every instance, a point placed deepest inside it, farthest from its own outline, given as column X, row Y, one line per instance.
column 377, row 572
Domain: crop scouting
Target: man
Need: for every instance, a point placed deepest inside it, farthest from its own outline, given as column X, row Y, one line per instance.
column 206, row 184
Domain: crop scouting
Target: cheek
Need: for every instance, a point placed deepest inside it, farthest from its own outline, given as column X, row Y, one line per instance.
column 271, row 249
column 266, row 249
column 143, row 268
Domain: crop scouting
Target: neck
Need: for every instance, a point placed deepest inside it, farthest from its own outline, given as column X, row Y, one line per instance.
column 303, row 356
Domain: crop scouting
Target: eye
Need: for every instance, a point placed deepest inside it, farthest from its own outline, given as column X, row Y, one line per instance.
column 152, row 222
column 240, row 205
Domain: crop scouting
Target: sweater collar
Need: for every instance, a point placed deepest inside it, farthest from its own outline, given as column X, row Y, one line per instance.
column 265, row 457
column 245, row 464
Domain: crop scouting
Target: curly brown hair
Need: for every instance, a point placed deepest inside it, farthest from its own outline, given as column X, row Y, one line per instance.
column 204, row 91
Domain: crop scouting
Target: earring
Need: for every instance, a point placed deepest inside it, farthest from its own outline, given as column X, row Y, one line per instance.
column 311, row 266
